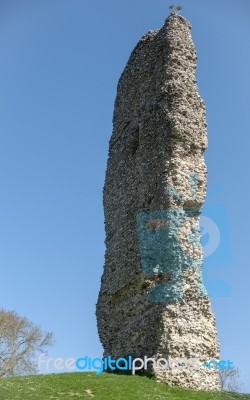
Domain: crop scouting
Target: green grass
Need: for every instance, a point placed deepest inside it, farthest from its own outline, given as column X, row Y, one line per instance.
column 86, row 385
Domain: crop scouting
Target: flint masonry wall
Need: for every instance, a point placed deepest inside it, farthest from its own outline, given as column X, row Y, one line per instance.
column 152, row 301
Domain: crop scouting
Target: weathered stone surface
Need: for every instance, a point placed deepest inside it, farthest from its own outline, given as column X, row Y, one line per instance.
column 151, row 302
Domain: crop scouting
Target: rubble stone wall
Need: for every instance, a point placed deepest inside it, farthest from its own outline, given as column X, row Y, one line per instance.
column 152, row 301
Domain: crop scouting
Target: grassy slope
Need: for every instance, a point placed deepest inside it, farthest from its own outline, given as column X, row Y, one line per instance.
column 101, row 387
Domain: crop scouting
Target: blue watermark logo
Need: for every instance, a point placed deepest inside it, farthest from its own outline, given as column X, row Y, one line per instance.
column 176, row 240
column 99, row 365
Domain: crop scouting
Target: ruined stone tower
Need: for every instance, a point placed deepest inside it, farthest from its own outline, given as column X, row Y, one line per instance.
column 152, row 301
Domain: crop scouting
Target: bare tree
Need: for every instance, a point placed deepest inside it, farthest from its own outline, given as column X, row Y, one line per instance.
column 20, row 341
column 175, row 8
column 230, row 379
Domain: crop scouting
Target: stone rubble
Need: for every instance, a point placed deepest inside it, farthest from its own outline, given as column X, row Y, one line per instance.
column 158, row 140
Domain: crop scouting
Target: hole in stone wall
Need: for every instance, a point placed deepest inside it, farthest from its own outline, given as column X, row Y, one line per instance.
column 156, row 224
column 135, row 142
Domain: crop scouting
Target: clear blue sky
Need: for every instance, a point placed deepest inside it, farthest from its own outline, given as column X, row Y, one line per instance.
column 60, row 62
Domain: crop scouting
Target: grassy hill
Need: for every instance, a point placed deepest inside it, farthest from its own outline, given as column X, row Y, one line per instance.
column 86, row 385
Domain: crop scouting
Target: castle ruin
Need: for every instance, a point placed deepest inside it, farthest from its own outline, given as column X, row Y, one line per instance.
column 152, row 301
